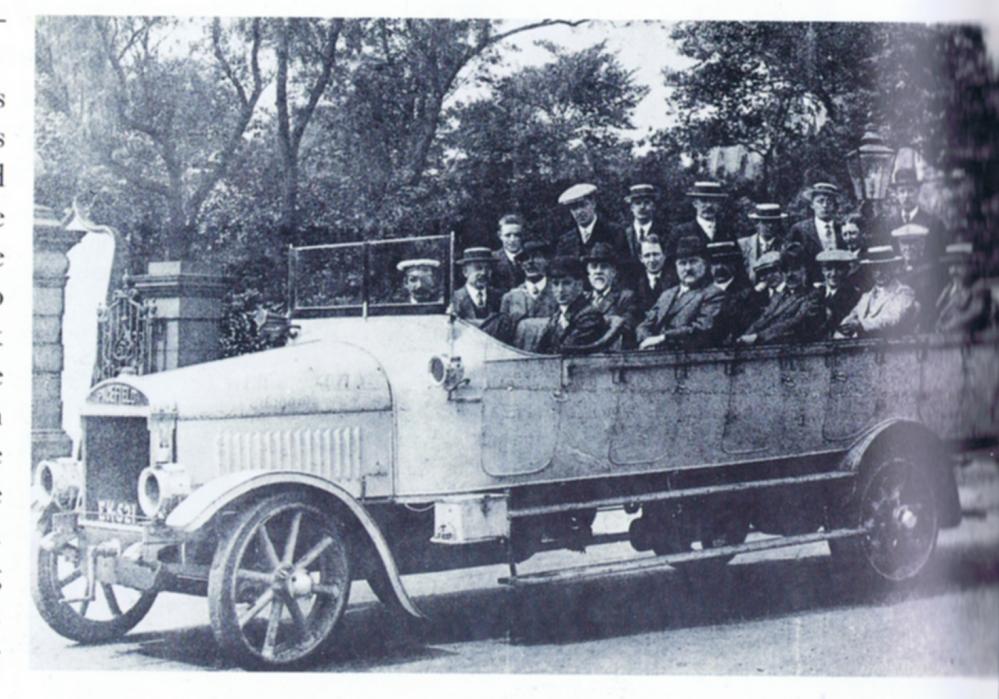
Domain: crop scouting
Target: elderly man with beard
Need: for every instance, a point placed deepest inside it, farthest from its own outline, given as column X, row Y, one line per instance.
column 506, row 271
column 532, row 301
column 742, row 303
column 794, row 313
column 576, row 324
column 836, row 291
column 889, row 308
column 964, row 306
column 588, row 230
column 684, row 316
column 608, row 295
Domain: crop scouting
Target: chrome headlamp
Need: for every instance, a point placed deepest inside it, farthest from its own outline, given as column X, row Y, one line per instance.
column 58, row 481
column 162, row 487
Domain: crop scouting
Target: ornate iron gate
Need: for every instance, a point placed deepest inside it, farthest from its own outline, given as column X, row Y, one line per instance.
column 126, row 335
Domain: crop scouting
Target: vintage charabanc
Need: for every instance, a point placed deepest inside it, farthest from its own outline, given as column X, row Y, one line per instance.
column 389, row 437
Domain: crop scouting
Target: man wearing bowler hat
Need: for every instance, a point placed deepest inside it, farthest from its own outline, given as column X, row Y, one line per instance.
column 742, row 303
column 906, row 188
column 769, row 235
column 530, row 305
column 576, row 324
column 684, row 316
column 836, row 291
column 889, row 308
column 588, row 229
column 608, row 295
column 477, row 301
column 707, row 198
column 794, row 313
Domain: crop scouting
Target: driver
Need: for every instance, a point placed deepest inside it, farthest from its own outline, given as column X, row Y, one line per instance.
column 420, row 280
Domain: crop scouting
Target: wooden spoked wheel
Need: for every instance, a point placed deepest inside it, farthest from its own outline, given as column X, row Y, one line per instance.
column 279, row 583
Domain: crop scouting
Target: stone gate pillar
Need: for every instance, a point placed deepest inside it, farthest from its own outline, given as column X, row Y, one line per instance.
column 187, row 296
column 51, row 243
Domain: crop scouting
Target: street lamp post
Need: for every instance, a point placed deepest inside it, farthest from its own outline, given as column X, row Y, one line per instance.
column 870, row 167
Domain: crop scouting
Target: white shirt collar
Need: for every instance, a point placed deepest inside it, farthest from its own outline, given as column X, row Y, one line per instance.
column 588, row 230
column 726, row 285
column 653, row 278
column 512, row 258
column 474, row 292
column 641, row 230
column 538, row 288
column 707, row 226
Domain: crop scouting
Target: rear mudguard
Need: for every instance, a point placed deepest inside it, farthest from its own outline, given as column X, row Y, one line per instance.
column 908, row 436
column 198, row 509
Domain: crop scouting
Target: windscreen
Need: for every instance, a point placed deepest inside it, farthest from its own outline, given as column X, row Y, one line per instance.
column 410, row 275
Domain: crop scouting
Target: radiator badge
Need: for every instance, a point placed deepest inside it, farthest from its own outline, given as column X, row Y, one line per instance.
column 117, row 394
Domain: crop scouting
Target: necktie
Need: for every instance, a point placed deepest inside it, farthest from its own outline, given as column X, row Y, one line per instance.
column 480, row 299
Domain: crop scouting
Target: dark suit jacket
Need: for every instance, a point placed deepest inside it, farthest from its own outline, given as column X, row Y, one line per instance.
column 741, row 305
column 645, row 295
column 506, row 274
column 837, row 306
column 518, row 304
column 687, row 321
column 570, row 244
column 789, row 317
column 586, row 325
column 622, row 303
column 464, row 308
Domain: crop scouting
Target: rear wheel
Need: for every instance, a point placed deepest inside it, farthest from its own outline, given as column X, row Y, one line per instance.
column 279, row 583
column 897, row 508
column 59, row 588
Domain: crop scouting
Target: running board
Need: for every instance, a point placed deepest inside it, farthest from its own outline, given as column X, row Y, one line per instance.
column 703, row 491
column 599, row 570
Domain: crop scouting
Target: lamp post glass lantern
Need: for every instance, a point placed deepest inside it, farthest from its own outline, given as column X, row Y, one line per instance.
column 870, row 167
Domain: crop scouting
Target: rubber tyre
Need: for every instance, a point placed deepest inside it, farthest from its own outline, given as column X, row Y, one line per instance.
column 71, row 622
column 242, row 552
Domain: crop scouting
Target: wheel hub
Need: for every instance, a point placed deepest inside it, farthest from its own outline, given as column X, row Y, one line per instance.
column 905, row 518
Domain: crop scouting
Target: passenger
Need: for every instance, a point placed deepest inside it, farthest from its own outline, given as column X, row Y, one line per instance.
column 530, row 305
column 742, row 302
column 837, row 292
column 506, row 272
column 656, row 278
column 707, row 198
column 889, row 308
column 684, row 316
column 919, row 272
column 964, row 306
column 769, row 277
column 477, row 301
column 576, row 324
column 854, row 238
column 794, row 313
column 906, row 188
column 644, row 223
column 420, row 280
column 608, row 295
column 769, row 236
column 820, row 231
column 588, row 229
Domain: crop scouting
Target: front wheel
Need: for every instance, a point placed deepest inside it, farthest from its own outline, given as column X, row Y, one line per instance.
column 279, row 583
column 74, row 609
column 897, row 509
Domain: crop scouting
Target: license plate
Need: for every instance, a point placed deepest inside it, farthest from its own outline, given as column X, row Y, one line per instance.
column 117, row 512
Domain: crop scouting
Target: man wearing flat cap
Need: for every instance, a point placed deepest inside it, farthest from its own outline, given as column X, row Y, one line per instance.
column 576, row 324
column 477, row 301
column 769, row 219
column 741, row 303
column 588, row 229
column 965, row 305
column 794, row 313
column 684, row 316
column 919, row 271
column 607, row 293
column 906, row 188
column 836, row 291
column 707, row 198
column 506, row 272
column 889, row 308
column 420, row 280
column 532, row 301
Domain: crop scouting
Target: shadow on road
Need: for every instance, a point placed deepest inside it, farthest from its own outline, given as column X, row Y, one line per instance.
column 372, row 638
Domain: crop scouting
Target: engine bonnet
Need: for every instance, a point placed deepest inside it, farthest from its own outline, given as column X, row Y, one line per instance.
column 325, row 376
